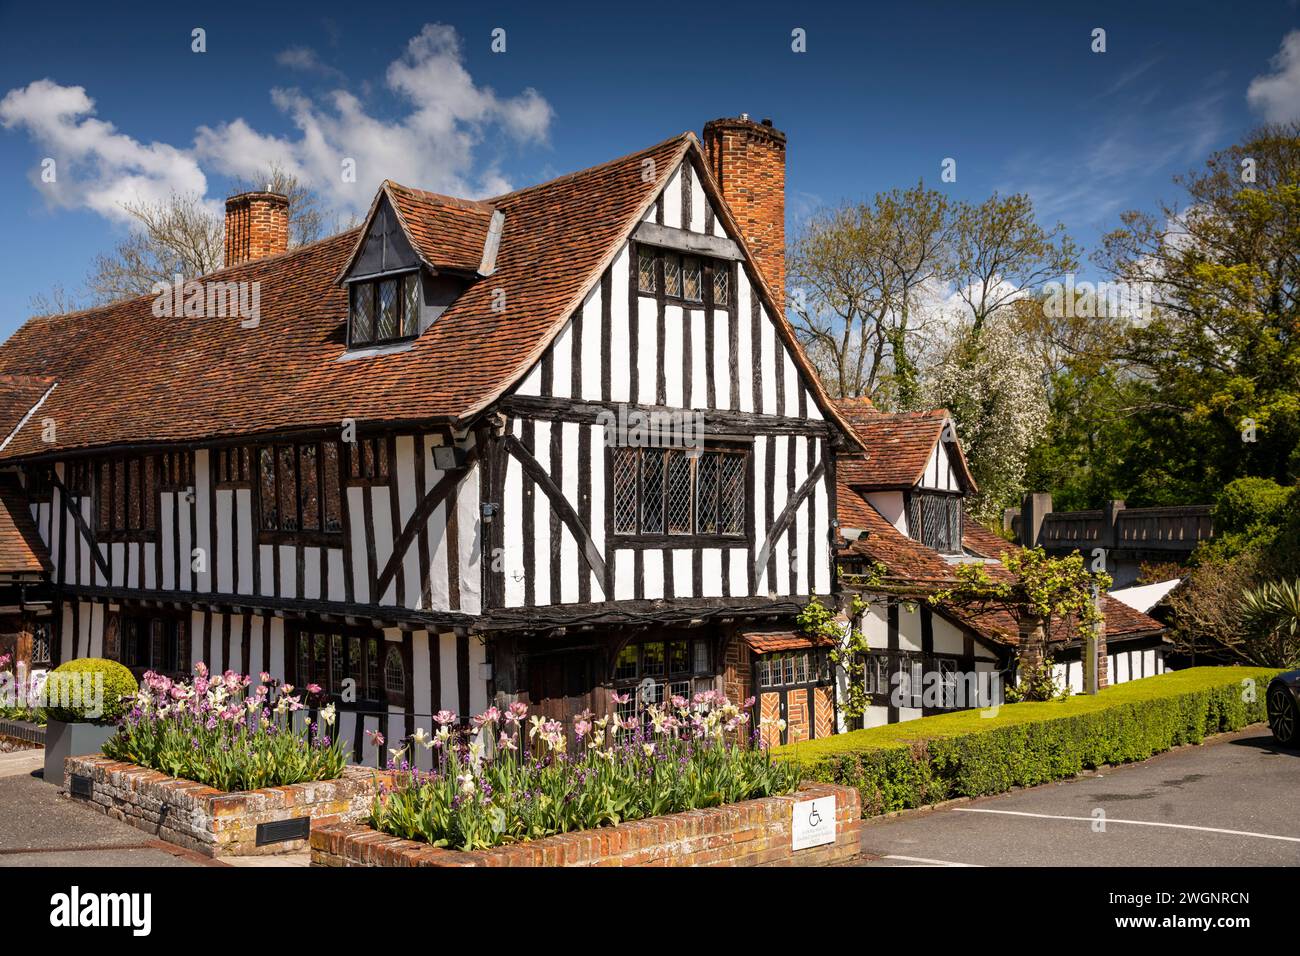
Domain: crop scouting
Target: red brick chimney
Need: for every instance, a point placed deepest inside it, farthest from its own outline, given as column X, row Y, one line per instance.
column 257, row 226
column 748, row 161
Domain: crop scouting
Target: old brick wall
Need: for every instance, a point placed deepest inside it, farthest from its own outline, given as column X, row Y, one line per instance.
column 211, row 822
column 752, row 833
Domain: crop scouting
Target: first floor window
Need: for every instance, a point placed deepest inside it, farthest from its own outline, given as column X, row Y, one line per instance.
column 368, row 460
column 234, row 467
column 670, row 491
column 384, row 310
column 127, row 496
column 298, row 488
column 351, row 667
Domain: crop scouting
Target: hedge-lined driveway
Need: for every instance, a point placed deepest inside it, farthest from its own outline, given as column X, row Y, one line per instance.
column 1229, row 802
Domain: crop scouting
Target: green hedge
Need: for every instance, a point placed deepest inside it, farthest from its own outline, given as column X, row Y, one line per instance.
column 968, row 754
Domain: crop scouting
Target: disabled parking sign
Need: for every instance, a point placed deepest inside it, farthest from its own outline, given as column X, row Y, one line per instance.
column 814, row 823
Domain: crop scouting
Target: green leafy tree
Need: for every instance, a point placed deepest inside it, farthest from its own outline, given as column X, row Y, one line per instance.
column 1219, row 360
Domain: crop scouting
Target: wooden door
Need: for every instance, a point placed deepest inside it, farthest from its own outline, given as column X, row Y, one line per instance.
column 561, row 684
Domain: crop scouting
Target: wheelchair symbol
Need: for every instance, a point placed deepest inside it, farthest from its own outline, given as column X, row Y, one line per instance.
column 814, row 817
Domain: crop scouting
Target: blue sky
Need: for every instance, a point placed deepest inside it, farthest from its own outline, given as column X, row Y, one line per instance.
column 884, row 93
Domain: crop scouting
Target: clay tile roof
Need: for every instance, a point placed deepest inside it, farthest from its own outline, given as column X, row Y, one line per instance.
column 913, row 564
column 19, row 394
column 21, row 548
column 126, row 376
column 447, row 233
column 767, row 642
column 898, row 446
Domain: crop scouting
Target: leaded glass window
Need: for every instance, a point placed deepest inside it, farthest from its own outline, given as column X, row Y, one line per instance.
column 298, row 488
column 394, row 673
column 652, row 491
column 386, row 326
column 692, row 287
column 410, row 305
column 706, row 494
column 672, row 276
column 624, row 471
column 687, row 278
column 266, row 486
column 330, row 487
column 349, row 664
column 384, row 310
column 363, row 312
column 936, row 521
column 126, row 491
column 731, row 495
column 308, row 488
column 679, row 492
column 721, row 285
column 645, row 270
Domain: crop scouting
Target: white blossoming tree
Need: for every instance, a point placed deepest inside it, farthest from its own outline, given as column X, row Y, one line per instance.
column 993, row 386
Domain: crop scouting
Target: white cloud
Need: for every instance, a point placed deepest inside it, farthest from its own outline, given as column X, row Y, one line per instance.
column 98, row 167
column 429, row 141
column 1276, row 95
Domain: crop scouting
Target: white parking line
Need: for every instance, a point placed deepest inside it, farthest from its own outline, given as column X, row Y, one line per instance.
column 921, row 859
column 1136, row 823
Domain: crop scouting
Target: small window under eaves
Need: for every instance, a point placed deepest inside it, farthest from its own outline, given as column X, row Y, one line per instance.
column 384, row 309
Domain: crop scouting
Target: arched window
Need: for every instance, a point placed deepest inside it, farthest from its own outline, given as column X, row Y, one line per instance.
column 395, row 675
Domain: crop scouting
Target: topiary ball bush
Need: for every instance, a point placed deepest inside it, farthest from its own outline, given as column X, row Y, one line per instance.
column 79, row 702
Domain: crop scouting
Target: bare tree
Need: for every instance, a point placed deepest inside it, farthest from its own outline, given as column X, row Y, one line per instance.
column 1000, row 252
column 182, row 236
column 175, row 236
column 55, row 302
column 855, row 274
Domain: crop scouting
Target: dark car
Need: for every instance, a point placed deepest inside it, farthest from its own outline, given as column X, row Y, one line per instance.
column 1284, row 708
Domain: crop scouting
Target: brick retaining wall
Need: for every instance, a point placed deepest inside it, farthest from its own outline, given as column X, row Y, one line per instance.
column 210, row 821
column 751, row 833
column 22, row 734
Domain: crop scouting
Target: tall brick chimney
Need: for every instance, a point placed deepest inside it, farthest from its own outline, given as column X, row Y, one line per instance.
column 257, row 226
column 748, row 161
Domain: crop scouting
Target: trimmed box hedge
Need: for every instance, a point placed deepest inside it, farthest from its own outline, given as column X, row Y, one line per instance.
column 975, row 753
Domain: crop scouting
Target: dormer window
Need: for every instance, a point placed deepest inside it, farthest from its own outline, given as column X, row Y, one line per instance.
column 935, row 520
column 384, row 310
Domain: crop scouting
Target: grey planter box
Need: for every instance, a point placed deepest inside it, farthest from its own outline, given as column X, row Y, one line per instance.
column 64, row 740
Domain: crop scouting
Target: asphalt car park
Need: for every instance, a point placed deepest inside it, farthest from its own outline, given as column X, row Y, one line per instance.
column 1229, row 802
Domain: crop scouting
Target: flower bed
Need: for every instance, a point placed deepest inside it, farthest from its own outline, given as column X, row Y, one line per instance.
column 226, row 733
column 749, row 833
column 215, row 823
column 509, row 778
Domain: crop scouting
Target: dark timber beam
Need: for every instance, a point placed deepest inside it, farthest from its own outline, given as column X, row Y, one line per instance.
column 434, row 497
column 784, row 520
column 717, row 422
column 683, row 240
column 533, row 469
